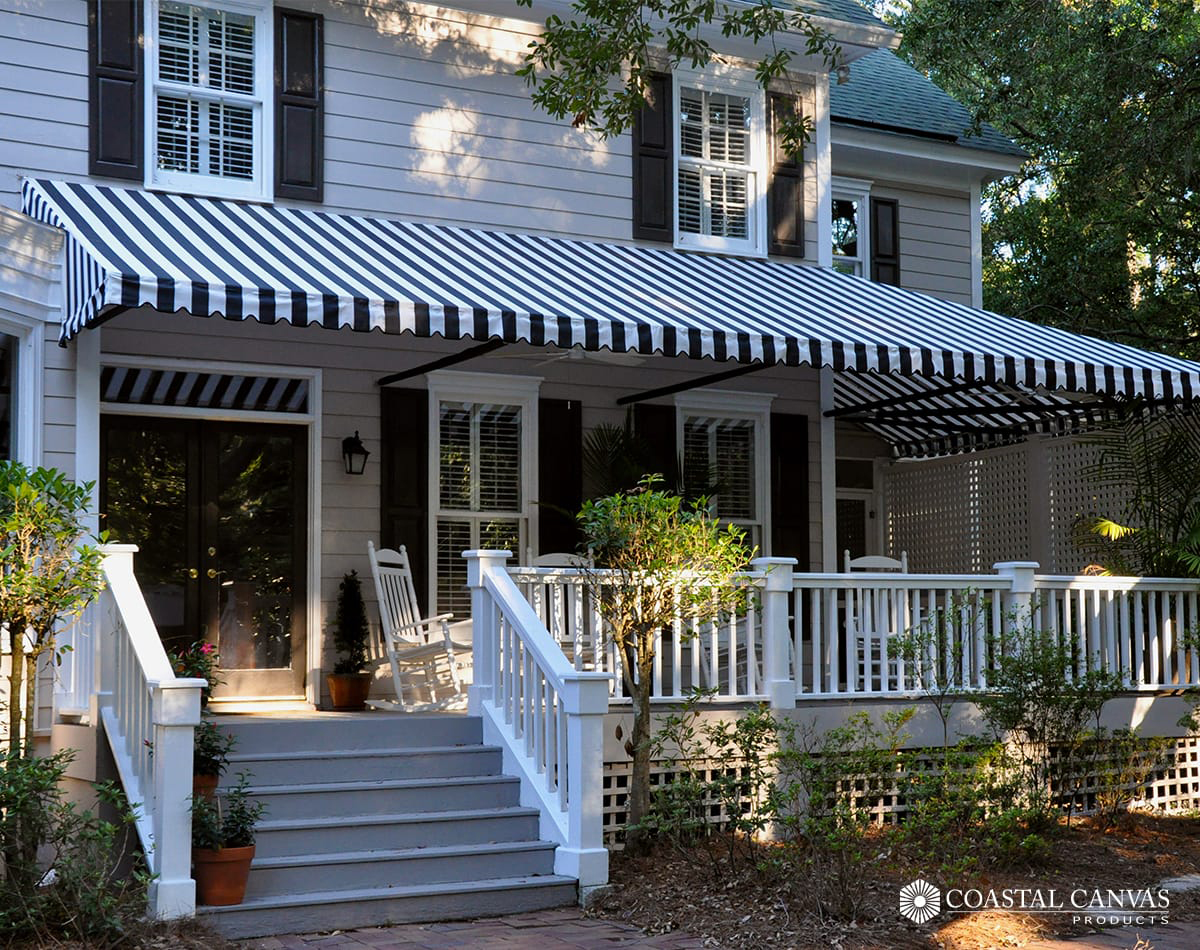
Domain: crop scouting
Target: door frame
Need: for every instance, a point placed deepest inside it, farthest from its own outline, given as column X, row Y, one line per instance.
column 311, row 420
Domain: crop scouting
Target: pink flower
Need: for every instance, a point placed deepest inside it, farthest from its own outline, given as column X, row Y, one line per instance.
column 206, row 648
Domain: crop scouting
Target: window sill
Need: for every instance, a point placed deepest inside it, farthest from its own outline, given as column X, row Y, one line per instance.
column 719, row 246
column 203, row 186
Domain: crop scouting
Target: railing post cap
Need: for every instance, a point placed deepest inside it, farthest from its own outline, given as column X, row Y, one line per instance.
column 482, row 553
column 1007, row 566
column 778, row 571
column 110, row 549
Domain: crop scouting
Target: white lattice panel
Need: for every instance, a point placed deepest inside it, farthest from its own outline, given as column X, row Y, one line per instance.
column 1074, row 492
column 961, row 514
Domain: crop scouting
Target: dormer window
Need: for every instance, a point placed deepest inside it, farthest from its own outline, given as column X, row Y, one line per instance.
column 209, row 99
column 720, row 168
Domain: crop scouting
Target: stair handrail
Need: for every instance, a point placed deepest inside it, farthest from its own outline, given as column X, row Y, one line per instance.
column 149, row 715
column 547, row 717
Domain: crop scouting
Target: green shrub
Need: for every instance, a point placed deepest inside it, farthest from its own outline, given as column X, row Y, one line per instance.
column 67, row 873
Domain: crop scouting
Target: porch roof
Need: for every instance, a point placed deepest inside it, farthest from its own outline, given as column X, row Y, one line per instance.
column 129, row 248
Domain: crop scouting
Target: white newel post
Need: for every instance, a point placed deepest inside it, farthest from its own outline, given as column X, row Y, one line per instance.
column 176, row 713
column 583, row 856
column 1020, row 599
column 118, row 561
column 483, row 626
column 780, row 685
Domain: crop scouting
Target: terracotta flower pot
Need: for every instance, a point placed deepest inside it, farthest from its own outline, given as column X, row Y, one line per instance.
column 348, row 691
column 221, row 875
column 204, row 786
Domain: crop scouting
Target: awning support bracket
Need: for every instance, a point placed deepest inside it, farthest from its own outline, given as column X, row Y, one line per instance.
column 454, row 358
column 692, row 384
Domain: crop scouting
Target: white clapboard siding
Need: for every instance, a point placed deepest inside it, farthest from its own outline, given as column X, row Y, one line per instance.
column 935, row 239
column 425, row 120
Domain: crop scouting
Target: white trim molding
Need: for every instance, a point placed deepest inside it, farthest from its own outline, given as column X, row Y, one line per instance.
column 27, row 409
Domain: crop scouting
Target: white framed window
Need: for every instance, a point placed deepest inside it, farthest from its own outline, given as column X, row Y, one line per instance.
column 725, row 438
column 851, row 231
column 20, row 390
column 720, row 161
column 209, row 98
column 483, row 475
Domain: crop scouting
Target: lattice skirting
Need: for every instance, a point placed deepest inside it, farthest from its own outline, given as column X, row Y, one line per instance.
column 1173, row 786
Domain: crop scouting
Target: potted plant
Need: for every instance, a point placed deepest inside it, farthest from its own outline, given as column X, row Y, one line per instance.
column 349, row 683
column 198, row 661
column 210, row 756
column 223, row 843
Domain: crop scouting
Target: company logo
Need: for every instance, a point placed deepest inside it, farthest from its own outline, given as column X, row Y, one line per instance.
column 920, row 901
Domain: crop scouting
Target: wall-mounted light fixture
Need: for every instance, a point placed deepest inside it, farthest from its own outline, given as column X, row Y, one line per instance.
column 843, row 74
column 354, row 454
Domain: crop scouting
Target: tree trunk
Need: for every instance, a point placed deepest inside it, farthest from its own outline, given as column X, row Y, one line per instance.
column 31, row 659
column 637, row 841
column 16, row 682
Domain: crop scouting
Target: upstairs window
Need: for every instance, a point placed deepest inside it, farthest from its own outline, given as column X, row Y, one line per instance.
column 720, row 168
column 8, row 396
column 851, row 228
column 210, row 98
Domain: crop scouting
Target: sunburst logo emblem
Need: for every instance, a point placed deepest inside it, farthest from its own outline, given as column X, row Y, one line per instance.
column 920, row 901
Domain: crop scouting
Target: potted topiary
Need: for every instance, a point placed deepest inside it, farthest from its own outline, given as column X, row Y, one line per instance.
column 223, row 844
column 349, row 683
column 210, row 756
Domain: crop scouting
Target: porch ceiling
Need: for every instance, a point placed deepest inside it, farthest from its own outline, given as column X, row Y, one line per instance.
column 129, row 248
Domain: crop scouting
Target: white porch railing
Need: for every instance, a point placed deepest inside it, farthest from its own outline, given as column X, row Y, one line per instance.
column 814, row 636
column 547, row 716
column 148, row 715
column 725, row 657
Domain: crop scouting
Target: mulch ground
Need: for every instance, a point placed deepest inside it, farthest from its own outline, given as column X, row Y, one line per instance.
column 669, row 891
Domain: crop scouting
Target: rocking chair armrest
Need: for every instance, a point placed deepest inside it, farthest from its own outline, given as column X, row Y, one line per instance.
column 427, row 622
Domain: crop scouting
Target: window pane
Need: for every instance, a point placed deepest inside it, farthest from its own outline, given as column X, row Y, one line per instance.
column 454, row 456
column 499, row 458
column 729, row 213
column 8, row 395
column 231, row 52
column 718, row 460
column 231, row 141
column 179, row 44
column 691, row 202
column 845, row 227
column 728, row 128
column 691, row 119
column 178, row 134
column 453, row 537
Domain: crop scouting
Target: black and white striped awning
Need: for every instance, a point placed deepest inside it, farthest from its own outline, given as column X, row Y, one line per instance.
column 130, row 248
column 232, row 392
column 924, row 417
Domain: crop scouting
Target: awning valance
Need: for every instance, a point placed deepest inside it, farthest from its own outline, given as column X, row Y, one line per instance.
column 129, row 248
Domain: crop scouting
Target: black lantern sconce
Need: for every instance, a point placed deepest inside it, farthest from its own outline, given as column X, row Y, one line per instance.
column 354, row 454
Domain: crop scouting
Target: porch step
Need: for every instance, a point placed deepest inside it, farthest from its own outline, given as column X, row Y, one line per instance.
column 381, row 818
column 401, row 867
column 380, row 797
column 412, row 830
column 309, row 766
column 368, row 907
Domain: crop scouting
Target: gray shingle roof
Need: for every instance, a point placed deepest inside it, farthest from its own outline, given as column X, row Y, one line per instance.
column 885, row 92
column 848, row 11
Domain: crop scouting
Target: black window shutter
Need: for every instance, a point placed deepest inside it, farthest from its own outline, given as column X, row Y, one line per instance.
column 116, row 128
column 299, row 105
column 655, row 428
column 885, row 241
column 404, row 492
column 560, row 473
column 653, row 166
column 789, row 487
column 785, row 190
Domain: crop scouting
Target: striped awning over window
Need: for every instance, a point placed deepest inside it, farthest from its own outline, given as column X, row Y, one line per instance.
column 130, row 248
column 138, row 386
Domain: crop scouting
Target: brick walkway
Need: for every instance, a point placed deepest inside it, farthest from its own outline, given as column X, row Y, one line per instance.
column 562, row 929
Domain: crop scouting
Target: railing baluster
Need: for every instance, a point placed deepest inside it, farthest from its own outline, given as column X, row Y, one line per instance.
column 1155, row 640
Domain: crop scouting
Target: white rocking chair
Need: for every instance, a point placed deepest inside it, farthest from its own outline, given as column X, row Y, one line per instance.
column 874, row 620
column 413, row 642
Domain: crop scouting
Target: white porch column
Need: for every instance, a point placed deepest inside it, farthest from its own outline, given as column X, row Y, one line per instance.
column 829, row 553
column 778, row 681
column 176, row 713
column 87, row 418
column 483, row 626
column 583, row 856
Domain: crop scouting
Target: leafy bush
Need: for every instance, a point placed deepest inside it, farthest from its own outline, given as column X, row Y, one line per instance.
column 211, row 749
column 228, row 820
column 351, row 631
column 66, row 872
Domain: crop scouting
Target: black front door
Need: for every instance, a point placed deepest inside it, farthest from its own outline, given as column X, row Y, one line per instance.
column 218, row 511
